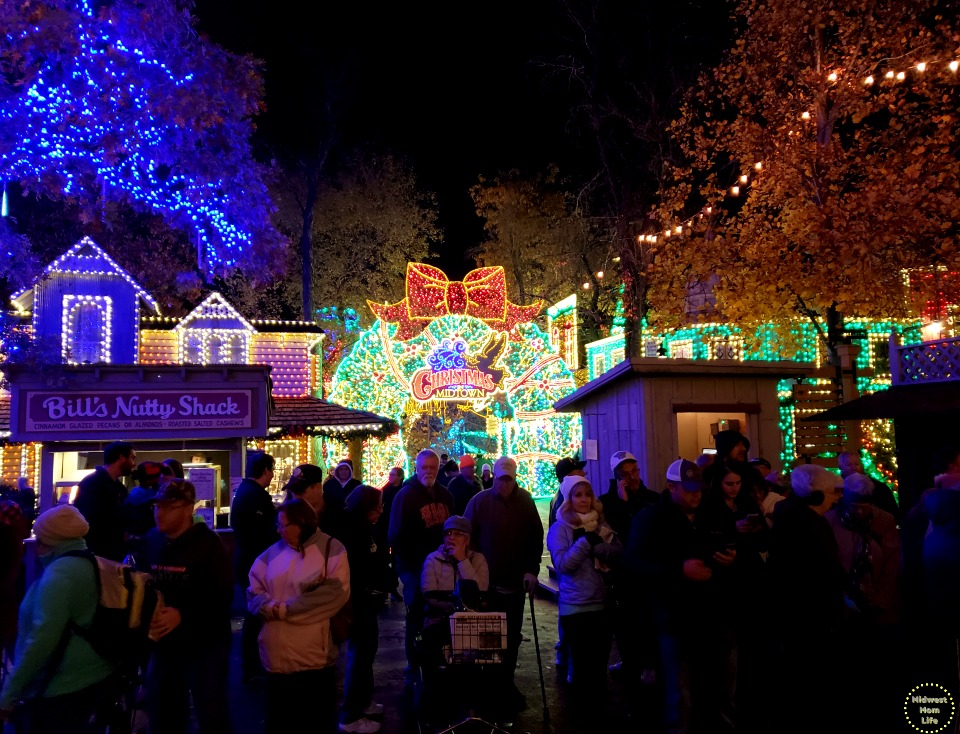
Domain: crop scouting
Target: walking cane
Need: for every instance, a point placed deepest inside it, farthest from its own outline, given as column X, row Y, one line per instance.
column 536, row 644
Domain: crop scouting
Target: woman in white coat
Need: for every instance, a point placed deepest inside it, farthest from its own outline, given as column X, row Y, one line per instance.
column 297, row 585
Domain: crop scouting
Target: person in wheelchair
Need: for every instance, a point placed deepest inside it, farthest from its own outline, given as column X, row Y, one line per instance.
column 454, row 578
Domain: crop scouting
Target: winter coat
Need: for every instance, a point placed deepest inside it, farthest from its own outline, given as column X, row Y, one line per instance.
column 371, row 577
column 66, row 593
column 582, row 584
column 441, row 573
column 310, row 589
column 254, row 521
column 463, row 490
column 335, row 504
column 509, row 533
column 100, row 501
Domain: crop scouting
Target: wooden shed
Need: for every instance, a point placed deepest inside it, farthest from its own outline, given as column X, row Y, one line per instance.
column 664, row 409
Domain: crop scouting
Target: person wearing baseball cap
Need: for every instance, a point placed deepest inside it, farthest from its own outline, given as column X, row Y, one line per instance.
column 666, row 549
column 465, row 484
column 193, row 571
column 508, row 531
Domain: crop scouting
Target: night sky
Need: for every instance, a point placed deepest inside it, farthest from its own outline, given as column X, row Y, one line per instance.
column 449, row 85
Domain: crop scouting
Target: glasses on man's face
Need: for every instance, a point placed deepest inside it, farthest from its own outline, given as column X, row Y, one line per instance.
column 454, row 534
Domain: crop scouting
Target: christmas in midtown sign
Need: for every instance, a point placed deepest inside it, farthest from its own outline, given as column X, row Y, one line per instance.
column 463, row 370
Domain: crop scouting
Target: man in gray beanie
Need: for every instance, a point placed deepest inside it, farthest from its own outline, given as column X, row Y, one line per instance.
column 60, row 675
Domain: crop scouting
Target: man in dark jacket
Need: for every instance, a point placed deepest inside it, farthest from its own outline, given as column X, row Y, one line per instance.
column 635, row 637
column 465, row 485
column 508, row 531
column 416, row 530
column 254, row 521
column 191, row 568
column 684, row 573
column 808, row 584
column 100, row 500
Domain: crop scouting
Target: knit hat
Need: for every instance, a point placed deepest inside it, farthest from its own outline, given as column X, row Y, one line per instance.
column 363, row 499
column 505, row 467
column 60, row 523
column 486, row 467
column 344, row 463
column 456, row 522
column 569, row 482
column 467, row 460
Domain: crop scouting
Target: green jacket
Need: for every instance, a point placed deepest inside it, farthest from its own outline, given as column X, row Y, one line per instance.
column 67, row 591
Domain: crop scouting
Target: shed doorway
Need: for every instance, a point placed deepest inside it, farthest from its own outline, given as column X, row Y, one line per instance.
column 695, row 430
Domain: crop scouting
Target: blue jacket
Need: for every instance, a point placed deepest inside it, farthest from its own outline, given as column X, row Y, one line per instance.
column 582, row 585
column 65, row 593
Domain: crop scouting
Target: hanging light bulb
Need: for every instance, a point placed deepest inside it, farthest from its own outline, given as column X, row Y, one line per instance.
column 600, row 274
column 868, row 81
column 586, row 285
column 805, row 115
column 758, row 165
column 743, row 179
column 922, row 66
column 889, row 75
column 901, row 76
column 735, row 191
column 832, row 77
column 954, row 65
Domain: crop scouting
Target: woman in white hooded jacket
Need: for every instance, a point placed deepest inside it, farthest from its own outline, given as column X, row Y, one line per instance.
column 583, row 548
column 297, row 585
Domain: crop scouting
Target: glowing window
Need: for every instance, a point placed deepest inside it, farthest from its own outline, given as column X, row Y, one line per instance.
column 193, row 349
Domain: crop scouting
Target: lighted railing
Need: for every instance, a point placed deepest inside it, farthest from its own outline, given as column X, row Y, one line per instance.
column 932, row 361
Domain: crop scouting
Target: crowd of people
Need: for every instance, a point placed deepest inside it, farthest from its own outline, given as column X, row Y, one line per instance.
column 740, row 598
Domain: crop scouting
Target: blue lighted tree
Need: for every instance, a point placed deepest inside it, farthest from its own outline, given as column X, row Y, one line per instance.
column 125, row 102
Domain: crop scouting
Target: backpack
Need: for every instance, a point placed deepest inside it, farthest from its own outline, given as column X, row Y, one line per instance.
column 126, row 602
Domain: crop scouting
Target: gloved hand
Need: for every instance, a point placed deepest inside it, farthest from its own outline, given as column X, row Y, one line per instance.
column 593, row 538
column 578, row 533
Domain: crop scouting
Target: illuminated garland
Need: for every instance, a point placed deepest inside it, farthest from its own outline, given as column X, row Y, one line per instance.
column 377, row 375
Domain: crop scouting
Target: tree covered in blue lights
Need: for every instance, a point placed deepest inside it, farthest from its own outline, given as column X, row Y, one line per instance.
column 126, row 102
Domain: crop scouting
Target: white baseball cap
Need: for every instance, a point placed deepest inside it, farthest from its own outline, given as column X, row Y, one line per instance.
column 505, row 467
column 618, row 458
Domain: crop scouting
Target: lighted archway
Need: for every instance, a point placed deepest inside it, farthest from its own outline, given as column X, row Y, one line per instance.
column 462, row 369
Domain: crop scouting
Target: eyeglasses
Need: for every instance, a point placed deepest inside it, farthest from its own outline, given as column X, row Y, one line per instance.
column 454, row 533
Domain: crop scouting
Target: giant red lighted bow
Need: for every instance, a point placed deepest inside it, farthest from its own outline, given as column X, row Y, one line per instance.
column 482, row 293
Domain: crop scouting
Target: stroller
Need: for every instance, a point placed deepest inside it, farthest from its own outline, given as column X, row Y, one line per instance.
column 460, row 651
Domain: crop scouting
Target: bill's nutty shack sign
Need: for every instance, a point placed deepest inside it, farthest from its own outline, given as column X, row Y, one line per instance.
column 139, row 411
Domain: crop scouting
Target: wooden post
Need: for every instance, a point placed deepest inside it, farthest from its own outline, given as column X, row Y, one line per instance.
column 847, row 354
column 355, row 452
